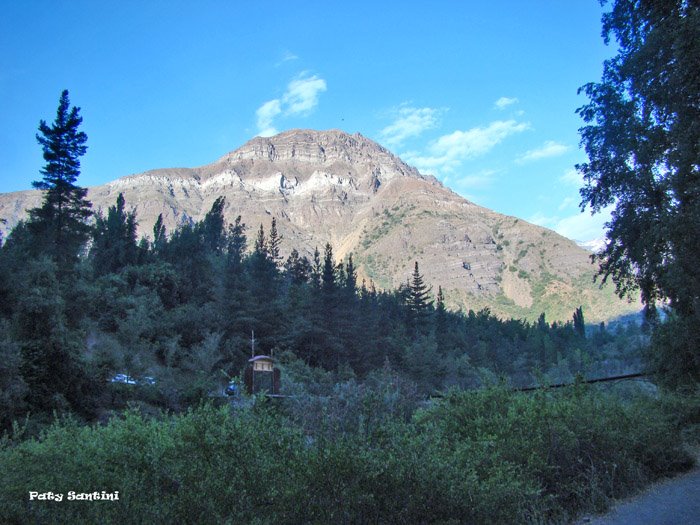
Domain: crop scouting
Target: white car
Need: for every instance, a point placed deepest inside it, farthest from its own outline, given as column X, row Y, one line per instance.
column 124, row 379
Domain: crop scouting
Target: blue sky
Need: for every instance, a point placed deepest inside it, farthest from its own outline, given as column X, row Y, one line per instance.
column 480, row 94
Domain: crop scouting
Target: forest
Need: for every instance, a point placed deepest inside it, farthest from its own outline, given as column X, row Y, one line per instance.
column 180, row 309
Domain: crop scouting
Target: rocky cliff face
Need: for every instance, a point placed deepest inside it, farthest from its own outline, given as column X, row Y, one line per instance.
column 344, row 189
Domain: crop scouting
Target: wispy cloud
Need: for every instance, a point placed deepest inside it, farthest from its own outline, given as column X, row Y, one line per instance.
column 540, row 219
column 302, row 95
column 409, row 122
column 584, row 226
column 549, row 149
column 448, row 152
column 568, row 202
column 504, row 102
column 266, row 115
column 481, row 179
column 288, row 55
column 580, row 227
column 572, row 177
column 300, row 98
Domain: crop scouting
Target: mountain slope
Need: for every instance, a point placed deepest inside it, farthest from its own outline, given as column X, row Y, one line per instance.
column 344, row 189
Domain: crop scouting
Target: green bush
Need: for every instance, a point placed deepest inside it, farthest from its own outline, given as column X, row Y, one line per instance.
column 490, row 456
column 579, row 447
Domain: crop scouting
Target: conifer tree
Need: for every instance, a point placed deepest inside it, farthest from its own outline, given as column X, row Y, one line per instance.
column 212, row 228
column 579, row 323
column 60, row 225
column 418, row 298
column 260, row 248
column 328, row 273
column 159, row 234
column 440, row 316
column 50, row 353
column 273, row 244
column 350, row 276
column 114, row 239
column 298, row 268
column 236, row 242
column 316, row 268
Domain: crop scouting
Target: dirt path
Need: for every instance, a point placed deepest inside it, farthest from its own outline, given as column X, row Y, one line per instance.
column 672, row 502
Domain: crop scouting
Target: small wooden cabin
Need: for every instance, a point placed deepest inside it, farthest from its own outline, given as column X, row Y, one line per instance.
column 262, row 376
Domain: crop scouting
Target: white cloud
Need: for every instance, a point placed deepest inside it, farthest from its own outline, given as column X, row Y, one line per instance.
column 410, row 122
column 568, row 202
column 481, row 179
column 266, row 115
column 541, row 219
column 548, row 149
column 572, row 177
column 582, row 227
column 504, row 102
column 302, row 95
column 449, row 151
column 288, row 55
column 300, row 98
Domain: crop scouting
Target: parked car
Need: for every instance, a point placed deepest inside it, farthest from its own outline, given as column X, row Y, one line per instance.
column 124, row 379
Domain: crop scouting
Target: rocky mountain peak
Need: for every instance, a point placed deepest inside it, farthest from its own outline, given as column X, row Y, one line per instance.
column 321, row 148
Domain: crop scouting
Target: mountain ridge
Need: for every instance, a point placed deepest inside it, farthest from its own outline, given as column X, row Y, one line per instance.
column 331, row 186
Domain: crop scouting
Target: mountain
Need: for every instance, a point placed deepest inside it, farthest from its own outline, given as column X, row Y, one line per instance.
column 330, row 186
column 594, row 245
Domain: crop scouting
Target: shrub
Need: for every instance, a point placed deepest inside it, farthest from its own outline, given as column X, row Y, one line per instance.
column 489, row 456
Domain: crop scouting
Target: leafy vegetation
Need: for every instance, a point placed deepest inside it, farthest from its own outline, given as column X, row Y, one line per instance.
column 641, row 137
column 364, row 455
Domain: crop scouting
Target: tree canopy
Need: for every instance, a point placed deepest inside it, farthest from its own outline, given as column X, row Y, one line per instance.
column 642, row 137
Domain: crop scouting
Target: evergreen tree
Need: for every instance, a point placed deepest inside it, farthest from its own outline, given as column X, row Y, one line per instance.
column 298, row 268
column 328, row 282
column 236, row 298
column 316, row 268
column 440, row 319
column 579, row 323
column 114, row 239
column 60, row 226
column 265, row 280
column 236, row 243
column 261, row 247
column 350, row 276
column 418, row 302
column 159, row 234
column 50, row 358
column 212, row 228
column 273, row 243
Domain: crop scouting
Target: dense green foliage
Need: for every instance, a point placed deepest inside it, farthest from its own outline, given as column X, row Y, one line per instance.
column 642, row 137
column 181, row 309
column 479, row 457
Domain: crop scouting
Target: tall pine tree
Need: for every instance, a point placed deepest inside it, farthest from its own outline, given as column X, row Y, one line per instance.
column 418, row 302
column 114, row 239
column 60, row 226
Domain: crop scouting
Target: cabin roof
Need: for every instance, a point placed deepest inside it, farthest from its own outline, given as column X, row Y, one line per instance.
column 260, row 358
